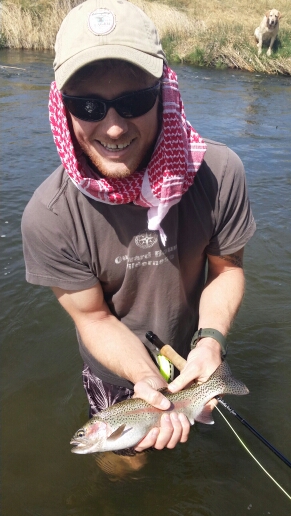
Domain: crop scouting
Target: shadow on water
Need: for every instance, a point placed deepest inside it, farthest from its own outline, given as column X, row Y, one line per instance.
column 43, row 402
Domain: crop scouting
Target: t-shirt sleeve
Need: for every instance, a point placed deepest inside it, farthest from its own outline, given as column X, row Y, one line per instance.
column 49, row 249
column 234, row 224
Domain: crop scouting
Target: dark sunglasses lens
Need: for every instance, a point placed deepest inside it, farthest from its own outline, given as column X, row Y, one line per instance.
column 136, row 104
column 132, row 105
column 89, row 110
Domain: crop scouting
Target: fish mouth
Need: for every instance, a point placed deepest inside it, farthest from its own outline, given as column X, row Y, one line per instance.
column 78, row 444
column 79, row 447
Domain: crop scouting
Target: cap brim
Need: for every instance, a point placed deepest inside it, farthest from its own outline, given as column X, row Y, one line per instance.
column 150, row 64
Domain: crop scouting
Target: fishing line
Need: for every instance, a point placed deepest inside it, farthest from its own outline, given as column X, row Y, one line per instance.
column 252, row 429
column 179, row 362
column 250, row 453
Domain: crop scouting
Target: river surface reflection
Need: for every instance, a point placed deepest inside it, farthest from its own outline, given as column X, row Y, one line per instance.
column 43, row 402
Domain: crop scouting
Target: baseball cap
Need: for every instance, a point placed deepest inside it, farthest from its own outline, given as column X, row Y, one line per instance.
column 106, row 29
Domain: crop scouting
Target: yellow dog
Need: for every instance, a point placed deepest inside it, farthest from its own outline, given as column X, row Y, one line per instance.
column 268, row 30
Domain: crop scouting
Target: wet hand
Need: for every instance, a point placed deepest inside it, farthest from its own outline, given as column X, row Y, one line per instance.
column 201, row 363
column 147, row 389
column 174, row 428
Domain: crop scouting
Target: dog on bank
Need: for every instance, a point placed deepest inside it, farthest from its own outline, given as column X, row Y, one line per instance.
column 268, row 30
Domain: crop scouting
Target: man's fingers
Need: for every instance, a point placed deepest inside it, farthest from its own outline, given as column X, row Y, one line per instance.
column 166, row 432
column 201, row 363
column 148, row 441
column 185, row 427
column 181, row 428
column 145, row 391
column 182, row 381
column 157, row 399
column 174, row 428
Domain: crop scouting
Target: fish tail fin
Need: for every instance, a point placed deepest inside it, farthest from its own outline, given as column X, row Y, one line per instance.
column 226, row 383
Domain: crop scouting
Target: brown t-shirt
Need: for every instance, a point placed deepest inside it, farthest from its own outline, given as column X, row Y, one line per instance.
column 72, row 241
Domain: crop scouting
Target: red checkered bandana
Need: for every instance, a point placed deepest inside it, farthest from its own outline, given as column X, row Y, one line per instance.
column 177, row 156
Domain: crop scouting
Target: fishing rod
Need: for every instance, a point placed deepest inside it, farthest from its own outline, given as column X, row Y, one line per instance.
column 179, row 362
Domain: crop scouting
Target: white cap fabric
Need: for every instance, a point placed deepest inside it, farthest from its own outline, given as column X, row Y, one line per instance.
column 106, row 29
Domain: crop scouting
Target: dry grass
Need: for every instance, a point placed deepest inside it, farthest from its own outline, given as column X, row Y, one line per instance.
column 171, row 21
column 220, row 33
column 214, row 33
column 33, row 25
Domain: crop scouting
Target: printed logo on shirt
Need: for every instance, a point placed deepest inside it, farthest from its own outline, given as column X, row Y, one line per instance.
column 151, row 258
column 146, row 239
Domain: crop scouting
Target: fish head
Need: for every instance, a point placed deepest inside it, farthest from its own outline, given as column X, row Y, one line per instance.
column 91, row 437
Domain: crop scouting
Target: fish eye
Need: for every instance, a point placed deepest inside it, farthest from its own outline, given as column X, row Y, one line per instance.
column 80, row 433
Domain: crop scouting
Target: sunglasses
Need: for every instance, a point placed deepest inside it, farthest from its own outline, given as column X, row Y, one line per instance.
column 94, row 109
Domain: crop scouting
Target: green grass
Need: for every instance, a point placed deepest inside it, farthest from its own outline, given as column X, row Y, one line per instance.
column 169, row 44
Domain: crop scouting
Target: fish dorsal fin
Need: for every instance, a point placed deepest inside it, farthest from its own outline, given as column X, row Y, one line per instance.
column 205, row 416
column 117, row 433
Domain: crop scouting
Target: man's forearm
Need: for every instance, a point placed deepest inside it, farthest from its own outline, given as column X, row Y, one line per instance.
column 117, row 348
column 221, row 299
column 219, row 303
column 107, row 339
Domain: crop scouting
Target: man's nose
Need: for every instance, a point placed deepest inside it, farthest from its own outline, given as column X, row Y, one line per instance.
column 113, row 124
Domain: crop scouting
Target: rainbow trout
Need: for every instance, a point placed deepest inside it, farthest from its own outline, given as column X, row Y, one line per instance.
column 124, row 424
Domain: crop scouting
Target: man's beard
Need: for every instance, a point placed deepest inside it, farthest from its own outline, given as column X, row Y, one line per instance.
column 99, row 165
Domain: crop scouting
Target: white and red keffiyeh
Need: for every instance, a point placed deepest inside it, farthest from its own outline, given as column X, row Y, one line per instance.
column 177, row 156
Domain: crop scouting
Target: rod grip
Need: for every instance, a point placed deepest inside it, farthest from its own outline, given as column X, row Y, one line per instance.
column 176, row 359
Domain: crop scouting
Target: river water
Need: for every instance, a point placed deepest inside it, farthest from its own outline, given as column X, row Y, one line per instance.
column 43, row 402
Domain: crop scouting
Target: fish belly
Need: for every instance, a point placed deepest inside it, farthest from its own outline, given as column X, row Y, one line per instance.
column 130, row 437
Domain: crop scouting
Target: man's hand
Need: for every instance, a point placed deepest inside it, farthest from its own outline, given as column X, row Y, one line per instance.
column 174, row 427
column 201, row 363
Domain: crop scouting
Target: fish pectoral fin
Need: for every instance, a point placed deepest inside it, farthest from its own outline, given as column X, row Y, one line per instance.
column 117, row 433
column 205, row 416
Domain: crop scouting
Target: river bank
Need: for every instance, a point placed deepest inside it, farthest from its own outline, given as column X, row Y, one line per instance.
column 214, row 34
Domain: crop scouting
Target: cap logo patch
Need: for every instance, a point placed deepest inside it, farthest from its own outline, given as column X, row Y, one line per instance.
column 101, row 21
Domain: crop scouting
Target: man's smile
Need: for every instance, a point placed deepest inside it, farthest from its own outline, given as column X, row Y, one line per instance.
column 114, row 147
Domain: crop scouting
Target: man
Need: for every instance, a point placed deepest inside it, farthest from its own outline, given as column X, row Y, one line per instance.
column 141, row 207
